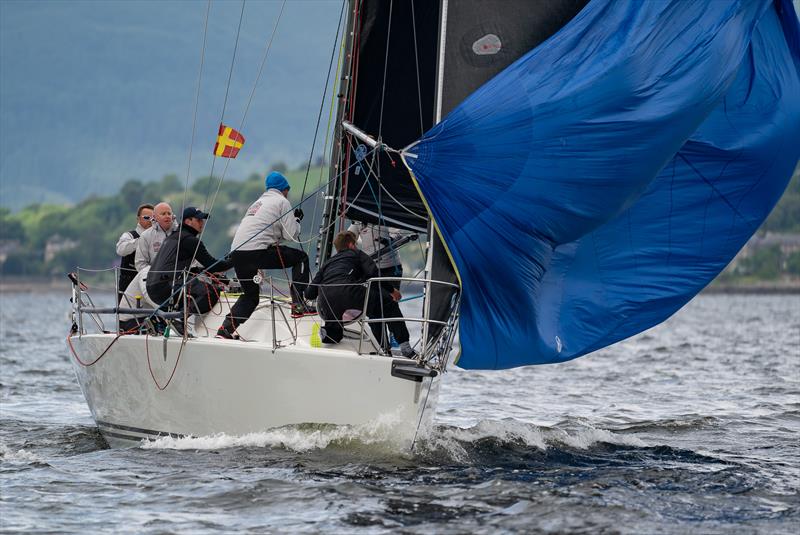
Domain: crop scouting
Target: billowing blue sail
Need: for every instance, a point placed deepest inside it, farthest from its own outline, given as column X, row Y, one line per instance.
column 596, row 185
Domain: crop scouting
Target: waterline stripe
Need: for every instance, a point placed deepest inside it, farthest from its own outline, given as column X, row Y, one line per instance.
column 101, row 423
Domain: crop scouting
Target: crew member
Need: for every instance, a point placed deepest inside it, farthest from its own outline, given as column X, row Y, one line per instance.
column 150, row 240
column 165, row 277
column 338, row 287
column 257, row 244
column 374, row 238
column 126, row 248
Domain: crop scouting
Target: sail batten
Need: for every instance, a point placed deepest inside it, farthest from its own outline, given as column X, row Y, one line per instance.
column 596, row 185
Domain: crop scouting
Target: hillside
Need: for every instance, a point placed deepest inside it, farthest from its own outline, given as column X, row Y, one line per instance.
column 46, row 239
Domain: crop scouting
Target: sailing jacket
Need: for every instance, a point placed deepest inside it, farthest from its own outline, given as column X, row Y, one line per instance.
column 268, row 221
column 149, row 243
column 126, row 244
column 164, row 265
column 345, row 271
column 126, row 248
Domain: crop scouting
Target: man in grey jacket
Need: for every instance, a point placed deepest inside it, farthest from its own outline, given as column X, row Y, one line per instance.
column 257, row 245
column 150, row 241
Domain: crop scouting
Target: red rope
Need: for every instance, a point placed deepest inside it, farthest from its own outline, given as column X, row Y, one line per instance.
column 150, row 367
column 87, row 364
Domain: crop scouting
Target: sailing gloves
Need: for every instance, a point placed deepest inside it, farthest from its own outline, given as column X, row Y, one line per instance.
column 298, row 213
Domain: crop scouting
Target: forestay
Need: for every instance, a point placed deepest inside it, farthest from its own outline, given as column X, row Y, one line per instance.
column 596, row 185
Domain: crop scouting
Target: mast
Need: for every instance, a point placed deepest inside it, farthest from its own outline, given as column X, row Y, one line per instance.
column 328, row 227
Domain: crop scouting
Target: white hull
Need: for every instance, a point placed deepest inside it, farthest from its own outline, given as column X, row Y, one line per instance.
column 236, row 388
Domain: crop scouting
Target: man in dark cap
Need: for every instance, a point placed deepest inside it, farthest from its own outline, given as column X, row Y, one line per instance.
column 257, row 245
column 177, row 254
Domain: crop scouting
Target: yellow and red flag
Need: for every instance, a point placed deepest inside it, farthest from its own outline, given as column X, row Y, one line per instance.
column 229, row 141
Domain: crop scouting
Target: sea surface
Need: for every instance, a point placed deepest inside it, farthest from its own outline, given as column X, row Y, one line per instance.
column 691, row 427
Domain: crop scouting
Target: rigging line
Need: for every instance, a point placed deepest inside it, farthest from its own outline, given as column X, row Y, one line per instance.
column 422, row 413
column 227, row 92
column 261, row 66
column 383, row 188
column 322, row 103
column 264, row 57
column 265, row 227
column 416, row 61
column 385, row 68
column 327, row 146
column 233, row 61
column 322, row 230
column 376, row 156
column 194, row 129
column 267, row 49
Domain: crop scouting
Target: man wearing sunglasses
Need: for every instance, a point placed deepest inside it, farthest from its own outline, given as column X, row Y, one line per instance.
column 126, row 247
column 150, row 242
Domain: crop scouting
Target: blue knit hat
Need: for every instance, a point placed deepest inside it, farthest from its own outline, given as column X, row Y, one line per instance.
column 277, row 181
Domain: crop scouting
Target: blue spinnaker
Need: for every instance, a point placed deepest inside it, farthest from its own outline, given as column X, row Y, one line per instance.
column 591, row 189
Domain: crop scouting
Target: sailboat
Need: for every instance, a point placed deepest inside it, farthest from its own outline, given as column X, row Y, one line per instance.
column 581, row 170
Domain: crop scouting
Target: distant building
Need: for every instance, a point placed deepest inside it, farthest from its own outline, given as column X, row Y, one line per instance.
column 57, row 244
column 8, row 247
column 787, row 243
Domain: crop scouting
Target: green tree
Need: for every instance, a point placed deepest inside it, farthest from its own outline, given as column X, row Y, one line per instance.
column 793, row 264
column 763, row 264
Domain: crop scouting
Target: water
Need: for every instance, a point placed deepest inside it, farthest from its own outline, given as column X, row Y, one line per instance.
column 692, row 427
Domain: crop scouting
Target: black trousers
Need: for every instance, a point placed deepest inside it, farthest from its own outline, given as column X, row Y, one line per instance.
column 201, row 298
column 380, row 305
column 247, row 264
column 392, row 271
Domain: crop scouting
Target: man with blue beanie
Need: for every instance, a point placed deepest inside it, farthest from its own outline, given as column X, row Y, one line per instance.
column 257, row 245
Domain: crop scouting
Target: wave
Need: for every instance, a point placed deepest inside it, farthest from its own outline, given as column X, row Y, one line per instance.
column 20, row 456
column 380, row 435
column 440, row 443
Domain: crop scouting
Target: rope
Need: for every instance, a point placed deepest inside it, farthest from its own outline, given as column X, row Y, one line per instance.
column 422, row 413
column 328, row 145
column 267, row 49
column 265, row 227
column 150, row 367
column 416, row 61
column 95, row 361
column 194, row 129
column 322, row 103
column 385, row 68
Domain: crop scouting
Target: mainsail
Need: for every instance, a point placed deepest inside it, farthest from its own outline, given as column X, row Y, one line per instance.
column 596, row 185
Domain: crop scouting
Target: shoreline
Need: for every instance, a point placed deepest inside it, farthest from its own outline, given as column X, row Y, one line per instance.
column 14, row 284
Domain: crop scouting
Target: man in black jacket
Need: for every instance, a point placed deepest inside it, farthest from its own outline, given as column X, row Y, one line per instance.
column 338, row 287
column 166, row 277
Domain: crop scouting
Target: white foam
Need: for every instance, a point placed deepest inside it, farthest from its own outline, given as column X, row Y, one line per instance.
column 588, row 436
column 382, row 432
column 18, row 456
column 452, row 439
